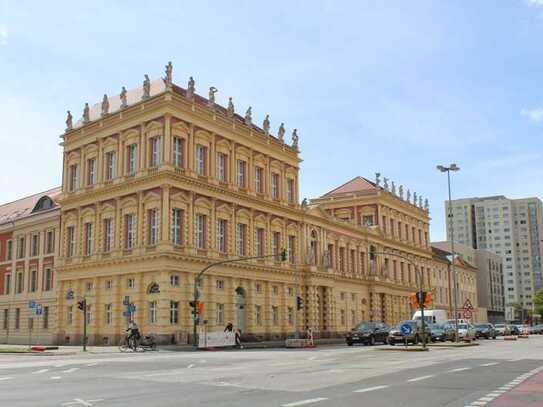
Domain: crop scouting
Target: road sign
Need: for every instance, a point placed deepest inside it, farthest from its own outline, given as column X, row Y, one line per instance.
column 39, row 310
column 126, row 300
column 406, row 329
column 468, row 305
column 468, row 314
column 32, row 304
column 131, row 308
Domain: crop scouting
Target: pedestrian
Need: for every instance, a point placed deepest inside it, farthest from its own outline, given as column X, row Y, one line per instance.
column 229, row 327
column 238, row 339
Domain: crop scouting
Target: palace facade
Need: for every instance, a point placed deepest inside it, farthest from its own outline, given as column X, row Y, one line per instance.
column 159, row 183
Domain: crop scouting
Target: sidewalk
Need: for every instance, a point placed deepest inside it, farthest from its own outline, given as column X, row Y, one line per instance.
column 527, row 394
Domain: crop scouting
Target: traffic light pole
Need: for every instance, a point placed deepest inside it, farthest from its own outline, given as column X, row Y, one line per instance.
column 84, row 325
column 198, row 278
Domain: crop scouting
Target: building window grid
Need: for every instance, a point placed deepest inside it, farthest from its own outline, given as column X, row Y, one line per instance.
column 177, row 226
column 221, row 235
column 178, row 149
column 111, row 165
column 91, row 171
column 153, row 215
column 88, row 239
column 241, row 239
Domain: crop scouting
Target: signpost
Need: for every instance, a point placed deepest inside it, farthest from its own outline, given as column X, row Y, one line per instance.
column 468, row 309
column 406, row 330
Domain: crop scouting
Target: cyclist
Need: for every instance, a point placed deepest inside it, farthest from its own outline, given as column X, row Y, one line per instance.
column 133, row 333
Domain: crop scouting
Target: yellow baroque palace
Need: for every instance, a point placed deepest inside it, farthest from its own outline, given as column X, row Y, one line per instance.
column 159, row 182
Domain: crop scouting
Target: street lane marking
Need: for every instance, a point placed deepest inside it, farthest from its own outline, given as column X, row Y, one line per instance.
column 304, row 402
column 478, row 403
column 190, row 366
column 81, row 402
column 490, row 364
column 73, row 369
column 371, row 389
column 460, row 369
column 92, row 364
column 416, row 379
column 40, row 371
column 5, row 378
column 55, row 377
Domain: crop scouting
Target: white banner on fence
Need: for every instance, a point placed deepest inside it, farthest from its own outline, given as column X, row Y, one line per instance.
column 216, row 339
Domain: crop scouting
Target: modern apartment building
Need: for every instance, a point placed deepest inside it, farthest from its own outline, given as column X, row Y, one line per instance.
column 511, row 228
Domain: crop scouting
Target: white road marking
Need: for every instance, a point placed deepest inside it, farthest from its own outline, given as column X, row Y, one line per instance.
column 92, row 364
column 490, row 364
column 304, row 402
column 371, row 389
column 336, row 371
column 460, row 369
column 5, row 378
column 73, row 369
column 487, row 398
column 81, row 402
column 416, row 379
column 40, row 371
column 478, row 403
column 55, row 377
column 190, row 366
column 312, row 358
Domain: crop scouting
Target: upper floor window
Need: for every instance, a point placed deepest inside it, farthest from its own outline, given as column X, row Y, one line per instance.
column 153, row 226
column 290, row 190
column 7, row 283
column 241, row 173
column 35, row 244
column 367, row 220
column 33, row 281
column 259, row 243
column 177, row 226
column 221, row 235
column 177, row 151
column 21, row 247
column 291, row 249
column 108, row 234
column 19, row 283
column 259, row 180
column 200, row 229
column 70, row 241
column 222, row 159
column 88, row 239
column 50, row 241
column 276, row 243
column 156, row 149
column 275, row 186
column 9, row 249
column 201, row 152
column 242, row 239
column 111, row 165
column 73, row 178
column 130, row 231
column 48, row 279
column 91, row 171
column 131, row 158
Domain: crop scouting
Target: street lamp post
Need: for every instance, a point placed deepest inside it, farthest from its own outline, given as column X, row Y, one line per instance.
column 453, row 167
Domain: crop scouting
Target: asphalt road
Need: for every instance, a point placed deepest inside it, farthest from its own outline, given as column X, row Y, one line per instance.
column 328, row 376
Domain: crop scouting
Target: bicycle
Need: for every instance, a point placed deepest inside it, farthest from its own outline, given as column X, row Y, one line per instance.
column 140, row 344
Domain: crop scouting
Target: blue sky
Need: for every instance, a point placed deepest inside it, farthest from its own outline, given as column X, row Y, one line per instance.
column 372, row 86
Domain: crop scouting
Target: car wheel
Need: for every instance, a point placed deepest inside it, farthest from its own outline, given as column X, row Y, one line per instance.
column 493, row 337
column 372, row 340
column 391, row 342
column 349, row 343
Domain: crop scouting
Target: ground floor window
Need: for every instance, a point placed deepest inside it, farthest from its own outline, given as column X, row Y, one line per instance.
column 290, row 313
column 153, row 318
column 220, row 314
column 174, row 312
column 108, row 314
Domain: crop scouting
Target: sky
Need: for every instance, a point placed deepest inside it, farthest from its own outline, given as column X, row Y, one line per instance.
column 394, row 87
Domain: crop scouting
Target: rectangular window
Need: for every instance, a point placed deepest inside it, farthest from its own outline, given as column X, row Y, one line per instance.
column 275, row 315
column 35, row 245
column 7, row 283
column 88, row 239
column 290, row 190
column 153, row 317
column 177, row 151
column 220, row 314
column 17, row 318
column 69, row 315
column 153, row 219
column 109, row 284
column 91, row 171
column 21, row 247
column 131, row 158
column 111, row 165
column 276, row 243
column 130, row 231
column 73, row 178
column 20, row 283
column 259, row 243
column 108, row 234
column 174, row 280
column 9, row 249
column 131, row 283
column 174, row 312
column 6, row 319
column 258, row 314
column 177, row 226
column 219, row 284
column 241, row 239
column 48, row 279
column 341, row 259
column 70, row 241
column 291, row 249
column 221, row 235
column 275, row 186
column 259, row 180
column 156, row 149
column 241, row 173
column 33, row 280
column 50, row 242
column 221, row 166
column 200, row 236
column 108, row 314
column 290, row 315
column 367, row 220
column 201, row 153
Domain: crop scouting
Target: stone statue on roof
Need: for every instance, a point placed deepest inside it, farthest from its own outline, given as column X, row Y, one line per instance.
column 266, row 125
column 230, row 109
column 295, row 139
column 426, row 205
column 420, row 201
column 393, row 188
column 191, row 88
column 400, row 191
column 122, row 96
column 146, row 88
column 86, row 114
column 304, row 203
column 377, row 178
column 281, row 133
column 69, row 121
column 415, row 198
column 168, row 79
column 385, row 183
column 249, row 117
column 408, row 197
column 211, row 97
column 105, row 105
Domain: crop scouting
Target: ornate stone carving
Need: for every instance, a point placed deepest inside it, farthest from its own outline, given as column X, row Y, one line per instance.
column 124, row 102
column 377, row 179
column 393, row 188
column 168, row 79
column 281, row 133
column 211, row 96
column 105, row 105
column 249, row 117
column 69, row 121
column 146, row 88
column 86, row 114
column 191, row 88
column 295, row 139
column 385, row 183
column 266, row 125
column 401, row 191
column 230, row 109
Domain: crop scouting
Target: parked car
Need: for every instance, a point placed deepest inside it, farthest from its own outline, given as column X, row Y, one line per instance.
column 485, row 331
column 513, row 330
column 466, row 331
column 448, row 331
column 536, row 329
column 501, row 329
column 397, row 336
column 368, row 333
column 437, row 332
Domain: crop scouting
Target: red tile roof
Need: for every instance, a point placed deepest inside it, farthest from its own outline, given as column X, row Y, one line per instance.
column 354, row 185
column 23, row 207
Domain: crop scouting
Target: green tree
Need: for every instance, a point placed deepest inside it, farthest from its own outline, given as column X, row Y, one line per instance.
column 538, row 302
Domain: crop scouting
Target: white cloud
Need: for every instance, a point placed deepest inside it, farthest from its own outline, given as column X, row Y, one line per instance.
column 3, row 35
column 535, row 115
column 535, row 3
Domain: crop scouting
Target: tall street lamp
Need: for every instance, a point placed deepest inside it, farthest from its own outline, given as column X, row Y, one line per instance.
column 453, row 167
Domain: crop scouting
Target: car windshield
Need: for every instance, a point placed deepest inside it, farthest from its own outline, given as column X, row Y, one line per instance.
column 481, row 326
column 499, row 326
column 462, row 326
column 363, row 326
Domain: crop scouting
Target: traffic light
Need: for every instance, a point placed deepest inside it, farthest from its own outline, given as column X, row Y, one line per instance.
column 428, row 299
column 299, row 303
column 192, row 305
column 199, row 307
column 414, row 301
column 424, row 297
column 284, row 255
column 81, row 305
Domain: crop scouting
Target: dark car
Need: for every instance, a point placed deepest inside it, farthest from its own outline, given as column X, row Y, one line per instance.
column 368, row 333
column 437, row 332
column 485, row 331
column 513, row 330
column 415, row 336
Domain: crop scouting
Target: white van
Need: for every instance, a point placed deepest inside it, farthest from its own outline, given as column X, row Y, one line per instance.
column 435, row 316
